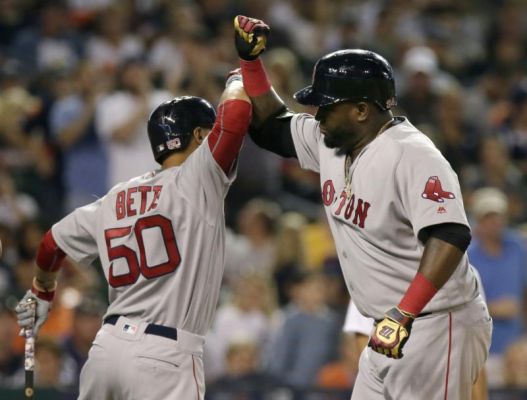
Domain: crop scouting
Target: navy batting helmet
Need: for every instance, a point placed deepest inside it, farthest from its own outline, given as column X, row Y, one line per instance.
column 171, row 124
column 352, row 74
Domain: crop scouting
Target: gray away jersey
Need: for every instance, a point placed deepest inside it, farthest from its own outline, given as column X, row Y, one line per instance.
column 400, row 183
column 160, row 239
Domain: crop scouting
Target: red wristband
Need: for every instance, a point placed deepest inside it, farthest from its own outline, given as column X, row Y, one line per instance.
column 419, row 293
column 42, row 294
column 255, row 80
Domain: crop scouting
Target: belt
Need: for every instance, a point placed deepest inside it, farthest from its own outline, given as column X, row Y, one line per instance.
column 152, row 329
column 424, row 314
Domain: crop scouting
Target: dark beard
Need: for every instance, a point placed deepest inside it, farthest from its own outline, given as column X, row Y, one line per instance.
column 339, row 140
column 331, row 142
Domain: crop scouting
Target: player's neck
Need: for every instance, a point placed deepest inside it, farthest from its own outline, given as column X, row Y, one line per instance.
column 176, row 159
column 377, row 126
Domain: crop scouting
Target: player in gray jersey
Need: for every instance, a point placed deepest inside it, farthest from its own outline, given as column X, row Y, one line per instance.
column 396, row 213
column 160, row 239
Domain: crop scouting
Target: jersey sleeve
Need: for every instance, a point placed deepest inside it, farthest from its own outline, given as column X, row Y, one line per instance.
column 75, row 233
column 306, row 135
column 428, row 187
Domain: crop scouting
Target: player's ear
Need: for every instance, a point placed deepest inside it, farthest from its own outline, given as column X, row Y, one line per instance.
column 199, row 134
column 362, row 111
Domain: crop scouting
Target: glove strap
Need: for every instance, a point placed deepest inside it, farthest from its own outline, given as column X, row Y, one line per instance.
column 402, row 317
column 41, row 293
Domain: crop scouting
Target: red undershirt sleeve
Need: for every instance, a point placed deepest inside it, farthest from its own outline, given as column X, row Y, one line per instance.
column 226, row 137
column 50, row 255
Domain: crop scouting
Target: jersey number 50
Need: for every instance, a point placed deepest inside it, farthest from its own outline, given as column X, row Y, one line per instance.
column 140, row 266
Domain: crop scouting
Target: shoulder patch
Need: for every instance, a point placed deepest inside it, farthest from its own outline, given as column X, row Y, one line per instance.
column 434, row 191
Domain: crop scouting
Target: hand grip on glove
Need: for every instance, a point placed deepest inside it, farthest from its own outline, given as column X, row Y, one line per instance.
column 391, row 333
column 29, row 318
column 250, row 37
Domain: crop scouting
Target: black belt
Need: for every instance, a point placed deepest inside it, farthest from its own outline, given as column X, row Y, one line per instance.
column 424, row 314
column 152, row 329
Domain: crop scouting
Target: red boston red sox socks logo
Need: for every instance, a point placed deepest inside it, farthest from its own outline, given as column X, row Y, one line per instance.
column 434, row 191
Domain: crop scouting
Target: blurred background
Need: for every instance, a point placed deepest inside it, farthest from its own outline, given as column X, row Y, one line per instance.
column 78, row 79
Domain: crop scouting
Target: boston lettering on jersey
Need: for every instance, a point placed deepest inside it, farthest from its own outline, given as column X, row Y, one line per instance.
column 146, row 196
column 349, row 206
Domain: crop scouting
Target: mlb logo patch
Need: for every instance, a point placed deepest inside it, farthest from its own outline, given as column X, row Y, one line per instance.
column 130, row 329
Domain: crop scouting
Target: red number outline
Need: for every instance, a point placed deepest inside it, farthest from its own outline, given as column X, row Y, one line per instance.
column 141, row 267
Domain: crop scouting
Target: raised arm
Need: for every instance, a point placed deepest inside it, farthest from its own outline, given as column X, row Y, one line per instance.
column 270, row 127
column 230, row 127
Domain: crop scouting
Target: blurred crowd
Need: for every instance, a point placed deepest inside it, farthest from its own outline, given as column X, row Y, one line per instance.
column 78, row 79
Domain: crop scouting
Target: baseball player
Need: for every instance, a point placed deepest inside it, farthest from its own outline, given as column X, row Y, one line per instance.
column 160, row 240
column 395, row 210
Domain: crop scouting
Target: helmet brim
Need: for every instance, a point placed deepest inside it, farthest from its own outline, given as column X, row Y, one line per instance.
column 309, row 97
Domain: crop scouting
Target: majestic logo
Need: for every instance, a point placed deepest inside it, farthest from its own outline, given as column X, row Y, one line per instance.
column 441, row 210
column 434, row 191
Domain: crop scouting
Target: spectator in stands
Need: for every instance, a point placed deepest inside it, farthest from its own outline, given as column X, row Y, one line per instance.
column 337, row 292
column 341, row 374
column 28, row 239
column 49, row 362
column 254, row 248
column 306, row 339
column 114, row 42
column 15, row 207
column 249, row 314
column 10, row 252
column 290, row 254
column 166, row 56
column 51, row 43
column 514, row 130
column 121, row 122
column 419, row 97
column 243, row 378
column 516, row 364
column 496, row 169
column 17, row 106
column 500, row 256
column 72, row 123
column 486, row 103
column 456, row 137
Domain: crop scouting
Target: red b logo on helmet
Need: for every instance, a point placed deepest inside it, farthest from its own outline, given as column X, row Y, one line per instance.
column 434, row 191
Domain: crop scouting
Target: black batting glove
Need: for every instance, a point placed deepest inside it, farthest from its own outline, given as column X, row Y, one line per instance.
column 250, row 37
